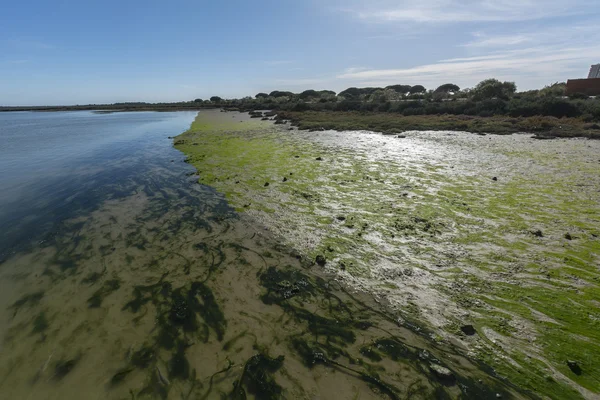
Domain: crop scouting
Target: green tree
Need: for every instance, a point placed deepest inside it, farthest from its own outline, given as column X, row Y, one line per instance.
column 402, row 89
column 417, row 89
column 277, row 93
column 261, row 96
column 447, row 87
column 350, row 93
column 493, row 88
column 308, row 94
column 216, row 99
column 198, row 101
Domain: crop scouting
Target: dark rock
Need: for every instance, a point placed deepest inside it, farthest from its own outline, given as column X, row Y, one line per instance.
column 481, row 134
column 266, row 184
column 574, row 366
column 341, row 218
column 320, row 260
column 264, row 119
column 319, row 159
column 284, row 179
column 401, row 136
column 468, row 330
column 296, row 156
column 568, row 236
column 494, row 179
column 537, row 233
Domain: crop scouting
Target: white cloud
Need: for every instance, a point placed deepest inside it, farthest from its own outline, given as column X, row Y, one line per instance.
column 455, row 11
column 533, row 67
column 483, row 40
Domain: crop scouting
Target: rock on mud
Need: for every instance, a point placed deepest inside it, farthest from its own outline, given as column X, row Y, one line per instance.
column 574, row 366
column 468, row 330
column 443, row 373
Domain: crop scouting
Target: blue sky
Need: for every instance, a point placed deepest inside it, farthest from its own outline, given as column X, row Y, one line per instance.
column 80, row 52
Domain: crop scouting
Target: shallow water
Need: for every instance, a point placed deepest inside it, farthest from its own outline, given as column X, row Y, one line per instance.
column 55, row 165
column 121, row 277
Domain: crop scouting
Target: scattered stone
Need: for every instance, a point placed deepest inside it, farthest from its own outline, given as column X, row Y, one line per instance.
column 296, row 156
column 537, row 233
column 574, row 366
column 468, row 330
column 495, row 179
column 401, row 137
column 568, row 236
column 320, row 260
column 341, row 218
column 498, row 396
column 443, row 373
column 284, row 179
column 482, row 134
column 266, row 184
column 319, row 159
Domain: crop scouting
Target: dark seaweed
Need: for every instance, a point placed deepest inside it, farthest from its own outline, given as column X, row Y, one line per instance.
column 109, row 287
column 257, row 378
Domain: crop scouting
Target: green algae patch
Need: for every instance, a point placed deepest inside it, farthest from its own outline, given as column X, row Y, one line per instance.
column 452, row 229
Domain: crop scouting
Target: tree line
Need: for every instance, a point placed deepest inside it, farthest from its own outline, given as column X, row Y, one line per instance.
column 489, row 97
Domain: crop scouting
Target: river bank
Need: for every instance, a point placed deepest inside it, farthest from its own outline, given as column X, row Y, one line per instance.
column 392, row 123
column 450, row 229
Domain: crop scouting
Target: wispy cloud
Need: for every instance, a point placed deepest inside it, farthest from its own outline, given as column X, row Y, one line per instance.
column 541, row 63
column 483, row 40
column 456, row 11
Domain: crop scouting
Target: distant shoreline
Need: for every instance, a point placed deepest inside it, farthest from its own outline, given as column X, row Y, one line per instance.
column 109, row 108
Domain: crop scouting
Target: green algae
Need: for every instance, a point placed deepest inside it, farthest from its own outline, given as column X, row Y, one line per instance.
column 435, row 216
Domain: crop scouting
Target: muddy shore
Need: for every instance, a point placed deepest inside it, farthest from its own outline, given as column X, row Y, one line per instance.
column 450, row 229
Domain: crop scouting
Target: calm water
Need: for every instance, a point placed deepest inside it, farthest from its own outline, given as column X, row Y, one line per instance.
column 55, row 165
column 123, row 278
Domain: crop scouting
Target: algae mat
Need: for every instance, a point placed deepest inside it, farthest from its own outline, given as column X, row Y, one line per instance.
column 446, row 229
